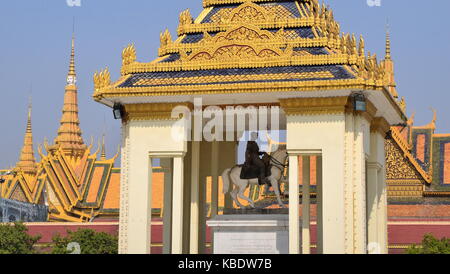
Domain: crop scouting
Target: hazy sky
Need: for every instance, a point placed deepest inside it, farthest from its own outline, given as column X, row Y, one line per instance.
column 35, row 45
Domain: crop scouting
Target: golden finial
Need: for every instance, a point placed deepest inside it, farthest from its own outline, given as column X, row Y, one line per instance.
column 103, row 154
column 433, row 122
column 361, row 46
column 388, row 44
column 129, row 55
column 102, row 79
column 165, row 38
column 71, row 76
column 411, row 119
column 186, row 17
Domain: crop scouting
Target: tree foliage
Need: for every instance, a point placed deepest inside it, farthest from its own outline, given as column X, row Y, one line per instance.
column 431, row 245
column 89, row 242
column 14, row 239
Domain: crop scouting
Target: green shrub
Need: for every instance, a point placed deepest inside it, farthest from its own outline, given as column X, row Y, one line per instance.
column 431, row 245
column 89, row 241
column 14, row 239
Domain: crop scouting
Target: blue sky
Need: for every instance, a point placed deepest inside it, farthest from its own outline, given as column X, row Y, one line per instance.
column 35, row 45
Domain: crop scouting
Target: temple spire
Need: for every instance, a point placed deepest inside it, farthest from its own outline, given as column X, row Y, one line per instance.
column 72, row 59
column 388, row 44
column 388, row 64
column 103, row 153
column 27, row 161
column 69, row 133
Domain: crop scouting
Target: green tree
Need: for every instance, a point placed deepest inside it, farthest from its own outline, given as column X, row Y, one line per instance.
column 14, row 239
column 431, row 245
column 88, row 240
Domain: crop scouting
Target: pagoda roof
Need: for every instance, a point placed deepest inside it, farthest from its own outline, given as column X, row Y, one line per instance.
column 237, row 46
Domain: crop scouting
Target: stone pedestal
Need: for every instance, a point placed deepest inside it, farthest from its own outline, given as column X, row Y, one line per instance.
column 250, row 234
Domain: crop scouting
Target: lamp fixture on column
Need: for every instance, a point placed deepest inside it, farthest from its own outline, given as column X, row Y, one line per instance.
column 118, row 111
column 359, row 102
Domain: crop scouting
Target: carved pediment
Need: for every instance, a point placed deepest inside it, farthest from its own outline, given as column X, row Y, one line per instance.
column 240, row 42
column 235, row 51
column 248, row 12
column 398, row 166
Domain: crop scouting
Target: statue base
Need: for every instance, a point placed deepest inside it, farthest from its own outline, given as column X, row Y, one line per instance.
column 250, row 234
column 256, row 211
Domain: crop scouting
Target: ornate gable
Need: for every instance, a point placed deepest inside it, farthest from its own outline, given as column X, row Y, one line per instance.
column 398, row 165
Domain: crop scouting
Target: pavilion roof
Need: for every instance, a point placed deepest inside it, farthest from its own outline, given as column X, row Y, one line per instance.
column 249, row 45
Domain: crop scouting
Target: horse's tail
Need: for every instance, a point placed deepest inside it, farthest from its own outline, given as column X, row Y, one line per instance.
column 226, row 180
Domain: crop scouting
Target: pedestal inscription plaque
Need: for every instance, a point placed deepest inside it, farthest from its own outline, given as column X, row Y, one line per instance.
column 250, row 234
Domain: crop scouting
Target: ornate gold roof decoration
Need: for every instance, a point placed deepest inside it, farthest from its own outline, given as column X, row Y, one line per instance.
column 128, row 55
column 251, row 34
column 102, row 79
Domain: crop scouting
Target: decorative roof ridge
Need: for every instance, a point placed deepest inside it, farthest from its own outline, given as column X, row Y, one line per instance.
column 209, row 3
column 404, row 147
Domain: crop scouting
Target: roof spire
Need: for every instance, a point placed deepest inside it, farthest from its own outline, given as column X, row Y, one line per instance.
column 69, row 133
column 27, row 161
column 103, row 155
column 71, row 76
column 388, row 42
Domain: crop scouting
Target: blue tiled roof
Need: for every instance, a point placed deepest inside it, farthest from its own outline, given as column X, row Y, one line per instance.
column 303, row 32
column 339, row 72
column 192, row 38
column 291, row 6
column 314, row 51
column 171, row 58
column 215, row 10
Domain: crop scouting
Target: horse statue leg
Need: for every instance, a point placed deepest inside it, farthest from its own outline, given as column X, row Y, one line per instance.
column 229, row 178
column 241, row 194
column 276, row 188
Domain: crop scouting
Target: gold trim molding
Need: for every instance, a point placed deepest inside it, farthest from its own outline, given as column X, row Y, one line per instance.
column 157, row 111
column 314, row 106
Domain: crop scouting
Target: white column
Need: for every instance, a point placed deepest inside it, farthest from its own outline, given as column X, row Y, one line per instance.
column 377, row 195
column 306, row 233
column 382, row 212
column 319, row 205
column 372, row 207
column 214, row 179
column 124, row 198
column 166, row 164
column 324, row 135
column 195, row 198
column 294, row 206
column 177, row 207
column 140, row 203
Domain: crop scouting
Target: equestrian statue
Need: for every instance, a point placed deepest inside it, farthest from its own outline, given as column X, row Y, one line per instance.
column 255, row 171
